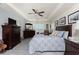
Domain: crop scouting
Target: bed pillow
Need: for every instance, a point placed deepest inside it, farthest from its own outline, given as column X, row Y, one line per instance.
column 65, row 36
column 55, row 33
column 60, row 33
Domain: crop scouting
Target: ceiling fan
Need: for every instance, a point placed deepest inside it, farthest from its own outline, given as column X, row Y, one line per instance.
column 37, row 12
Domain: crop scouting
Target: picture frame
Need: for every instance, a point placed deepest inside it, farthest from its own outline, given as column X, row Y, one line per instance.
column 62, row 21
column 73, row 17
column 28, row 26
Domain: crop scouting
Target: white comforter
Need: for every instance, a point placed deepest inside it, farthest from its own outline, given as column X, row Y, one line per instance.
column 42, row 43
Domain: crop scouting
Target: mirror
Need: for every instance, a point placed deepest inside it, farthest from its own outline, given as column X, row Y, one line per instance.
column 28, row 26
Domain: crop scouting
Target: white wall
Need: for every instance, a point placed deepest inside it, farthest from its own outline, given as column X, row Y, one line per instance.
column 5, row 12
column 71, row 10
column 75, row 26
column 52, row 27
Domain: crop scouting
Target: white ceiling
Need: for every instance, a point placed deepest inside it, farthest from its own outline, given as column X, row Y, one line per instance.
column 52, row 10
column 26, row 8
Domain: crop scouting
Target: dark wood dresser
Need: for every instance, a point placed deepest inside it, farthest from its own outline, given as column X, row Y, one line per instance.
column 28, row 33
column 11, row 35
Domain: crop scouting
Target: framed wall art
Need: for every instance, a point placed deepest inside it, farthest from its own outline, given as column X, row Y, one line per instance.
column 72, row 18
column 62, row 21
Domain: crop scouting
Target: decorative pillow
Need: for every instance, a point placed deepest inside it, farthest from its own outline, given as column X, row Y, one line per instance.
column 65, row 36
column 55, row 33
column 60, row 34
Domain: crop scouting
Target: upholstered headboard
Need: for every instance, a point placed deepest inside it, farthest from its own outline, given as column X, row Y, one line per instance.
column 65, row 28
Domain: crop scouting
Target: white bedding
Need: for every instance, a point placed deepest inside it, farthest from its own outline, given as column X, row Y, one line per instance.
column 42, row 43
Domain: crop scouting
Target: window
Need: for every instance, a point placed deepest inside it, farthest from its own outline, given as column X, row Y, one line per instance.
column 39, row 27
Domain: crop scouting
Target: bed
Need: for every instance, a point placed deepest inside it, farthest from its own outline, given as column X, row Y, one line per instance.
column 71, row 48
column 45, row 43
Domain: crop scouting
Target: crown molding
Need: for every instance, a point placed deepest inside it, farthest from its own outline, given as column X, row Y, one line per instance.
column 17, row 10
column 57, row 8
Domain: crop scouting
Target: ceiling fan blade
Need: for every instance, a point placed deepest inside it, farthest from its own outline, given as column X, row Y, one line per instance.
column 40, row 15
column 34, row 10
column 31, row 13
column 42, row 12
